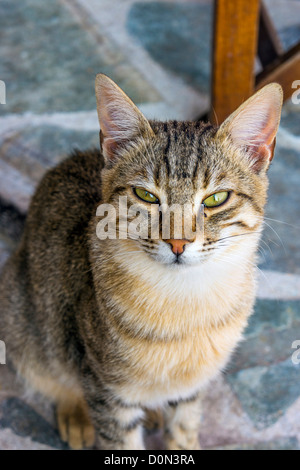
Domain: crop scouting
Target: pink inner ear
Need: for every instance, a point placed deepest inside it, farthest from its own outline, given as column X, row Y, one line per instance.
column 256, row 132
column 263, row 146
column 108, row 146
column 108, row 130
column 253, row 126
column 120, row 120
column 262, row 154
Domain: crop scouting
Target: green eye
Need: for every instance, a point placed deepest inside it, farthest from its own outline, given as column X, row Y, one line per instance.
column 216, row 199
column 146, row 196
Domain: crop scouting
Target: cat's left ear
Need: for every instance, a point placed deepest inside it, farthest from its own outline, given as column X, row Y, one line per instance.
column 120, row 120
column 254, row 125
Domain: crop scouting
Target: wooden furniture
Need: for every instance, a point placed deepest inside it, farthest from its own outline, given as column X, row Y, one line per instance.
column 243, row 31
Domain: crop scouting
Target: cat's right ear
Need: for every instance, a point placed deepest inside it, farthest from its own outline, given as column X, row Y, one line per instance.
column 120, row 120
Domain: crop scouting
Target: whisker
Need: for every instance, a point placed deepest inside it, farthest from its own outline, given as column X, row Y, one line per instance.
column 282, row 222
column 239, row 235
column 273, row 230
column 264, row 241
column 268, row 281
column 262, row 252
column 273, row 241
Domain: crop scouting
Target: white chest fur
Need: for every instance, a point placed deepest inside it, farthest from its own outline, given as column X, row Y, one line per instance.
column 192, row 317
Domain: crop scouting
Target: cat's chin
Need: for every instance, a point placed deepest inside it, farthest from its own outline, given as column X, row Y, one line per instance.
column 181, row 263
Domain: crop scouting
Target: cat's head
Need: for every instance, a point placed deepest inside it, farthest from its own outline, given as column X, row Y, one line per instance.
column 219, row 173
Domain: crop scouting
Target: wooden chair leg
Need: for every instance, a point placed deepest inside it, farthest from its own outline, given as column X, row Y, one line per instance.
column 234, row 50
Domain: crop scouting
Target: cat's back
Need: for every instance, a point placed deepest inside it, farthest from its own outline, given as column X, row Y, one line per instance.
column 47, row 281
column 52, row 256
column 67, row 193
column 55, row 239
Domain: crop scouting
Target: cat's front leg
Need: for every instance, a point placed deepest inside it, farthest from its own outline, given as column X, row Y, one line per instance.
column 182, row 422
column 118, row 425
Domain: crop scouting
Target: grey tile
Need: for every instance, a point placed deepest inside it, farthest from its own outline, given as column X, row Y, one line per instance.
column 267, row 392
column 272, row 329
column 49, row 61
column 24, row 421
column 177, row 36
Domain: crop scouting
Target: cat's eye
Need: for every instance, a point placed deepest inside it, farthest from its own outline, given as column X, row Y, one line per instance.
column 145, row 195
column 216, row 199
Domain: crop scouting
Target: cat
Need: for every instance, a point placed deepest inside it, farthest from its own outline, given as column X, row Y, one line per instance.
column 108, row 329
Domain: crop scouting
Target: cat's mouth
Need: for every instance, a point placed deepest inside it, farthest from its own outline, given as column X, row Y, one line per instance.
column 169, row 259
column 173, row 254
column 178, row 261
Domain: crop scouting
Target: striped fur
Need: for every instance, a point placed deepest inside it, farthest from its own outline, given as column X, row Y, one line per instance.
column 110, row 329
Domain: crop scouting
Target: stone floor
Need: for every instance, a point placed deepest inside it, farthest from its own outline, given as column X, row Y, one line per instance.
column 158, row 52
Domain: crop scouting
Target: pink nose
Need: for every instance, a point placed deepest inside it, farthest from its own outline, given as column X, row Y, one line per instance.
column 177, row 246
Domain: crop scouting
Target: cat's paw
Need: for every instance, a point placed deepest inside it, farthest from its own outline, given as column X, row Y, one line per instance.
column 181, row 438
column 74, row 424
column 172, row 444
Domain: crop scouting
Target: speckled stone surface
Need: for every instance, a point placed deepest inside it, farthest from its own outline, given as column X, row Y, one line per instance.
column 50, row 53
column 49, row 62
column 167, row 30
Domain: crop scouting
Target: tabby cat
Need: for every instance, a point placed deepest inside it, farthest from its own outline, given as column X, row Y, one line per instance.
column 108, row 329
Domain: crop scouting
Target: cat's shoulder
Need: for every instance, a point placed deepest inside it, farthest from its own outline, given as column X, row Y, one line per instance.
column 74, row 185
column 78, row 166
column 78, row 172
